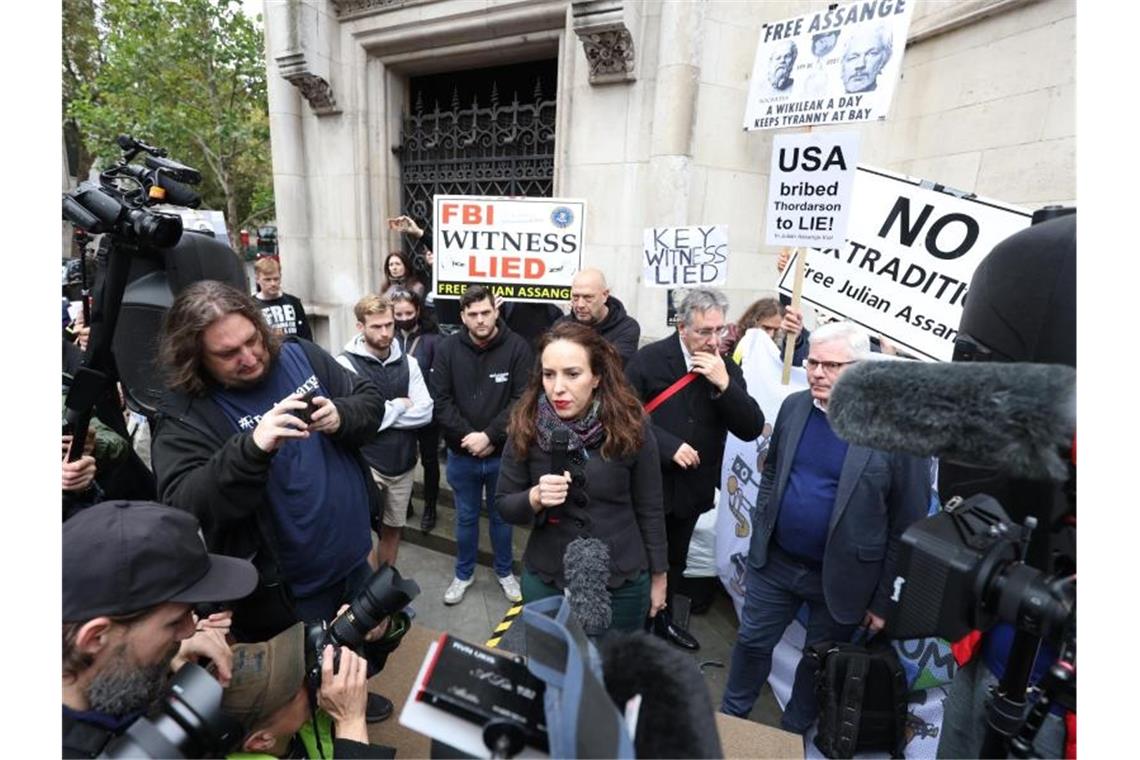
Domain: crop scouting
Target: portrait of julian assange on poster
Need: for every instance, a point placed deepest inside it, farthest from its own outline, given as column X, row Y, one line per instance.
column 835, row 66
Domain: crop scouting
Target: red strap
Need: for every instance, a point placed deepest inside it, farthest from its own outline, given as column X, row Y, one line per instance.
column 669, row 392
column 966, row 647
column 1070, row 736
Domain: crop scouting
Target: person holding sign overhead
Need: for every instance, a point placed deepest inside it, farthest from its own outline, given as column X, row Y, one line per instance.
column 694, row 399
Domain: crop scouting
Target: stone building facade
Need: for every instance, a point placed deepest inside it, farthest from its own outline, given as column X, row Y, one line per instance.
column 650, row 101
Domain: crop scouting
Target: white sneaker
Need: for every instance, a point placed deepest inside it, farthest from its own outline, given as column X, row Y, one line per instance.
column 455, row 592
column 511, row 588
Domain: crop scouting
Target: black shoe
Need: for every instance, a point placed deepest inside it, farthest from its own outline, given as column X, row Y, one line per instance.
column 379, row 708
column 427, row 521
column 665, row 628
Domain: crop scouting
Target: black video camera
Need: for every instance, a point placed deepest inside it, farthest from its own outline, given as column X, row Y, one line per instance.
column 117, row 204
column 384, row 596
column 962, row 569
column 188, row 722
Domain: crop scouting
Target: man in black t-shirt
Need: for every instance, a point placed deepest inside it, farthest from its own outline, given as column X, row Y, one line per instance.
column 283, row 312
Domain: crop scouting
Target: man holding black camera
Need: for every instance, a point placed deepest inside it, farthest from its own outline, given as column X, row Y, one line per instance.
column 269, row 697
column 259, row 437
column 131, row 571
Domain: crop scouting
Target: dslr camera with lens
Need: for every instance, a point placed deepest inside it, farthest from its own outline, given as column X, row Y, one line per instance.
column 384, row 596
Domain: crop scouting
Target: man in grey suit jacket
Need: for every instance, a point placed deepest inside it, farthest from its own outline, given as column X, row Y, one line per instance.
column 824, row 531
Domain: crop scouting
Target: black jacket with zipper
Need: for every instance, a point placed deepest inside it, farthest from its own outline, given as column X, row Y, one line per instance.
column 475, row 386
column 219, row 475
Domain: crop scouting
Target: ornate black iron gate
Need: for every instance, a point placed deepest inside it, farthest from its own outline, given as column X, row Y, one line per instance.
column 486, row 148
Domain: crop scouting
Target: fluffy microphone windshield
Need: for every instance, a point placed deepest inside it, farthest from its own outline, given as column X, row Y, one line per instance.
column 1017, row 417
column 586, row 565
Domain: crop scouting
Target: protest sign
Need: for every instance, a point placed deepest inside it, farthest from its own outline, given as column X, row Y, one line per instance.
column 524, row 249
column 685, row 256
column 743, row 461
column 906, row 265
column 809, row 188
column 833, row 66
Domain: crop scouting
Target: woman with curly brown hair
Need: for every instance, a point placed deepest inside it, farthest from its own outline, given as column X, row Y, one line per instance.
column 612, row 488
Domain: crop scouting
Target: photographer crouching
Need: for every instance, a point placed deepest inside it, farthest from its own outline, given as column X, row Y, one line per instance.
column 273, row 697
column 131, row 573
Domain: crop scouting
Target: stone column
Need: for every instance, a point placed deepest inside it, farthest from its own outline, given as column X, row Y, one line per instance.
column 290, row 177
column 674, row 116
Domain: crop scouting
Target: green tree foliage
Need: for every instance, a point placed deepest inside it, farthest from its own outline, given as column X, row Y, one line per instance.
column 188, row 76
column 81, row 61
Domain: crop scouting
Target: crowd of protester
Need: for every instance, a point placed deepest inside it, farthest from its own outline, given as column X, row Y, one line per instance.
column 278, row 478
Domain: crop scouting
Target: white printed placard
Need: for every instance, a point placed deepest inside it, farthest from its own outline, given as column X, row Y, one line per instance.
column 905, row 268
column 834, row 66
column 685, row 257
column 809, row 188
column 524, row 249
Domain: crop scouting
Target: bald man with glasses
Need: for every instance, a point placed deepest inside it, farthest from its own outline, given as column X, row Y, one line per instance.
column 825, row 531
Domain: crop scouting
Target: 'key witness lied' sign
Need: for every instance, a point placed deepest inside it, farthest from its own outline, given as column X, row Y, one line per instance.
column 685, row 256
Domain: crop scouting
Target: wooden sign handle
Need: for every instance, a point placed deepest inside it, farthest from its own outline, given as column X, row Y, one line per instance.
column 797, row 290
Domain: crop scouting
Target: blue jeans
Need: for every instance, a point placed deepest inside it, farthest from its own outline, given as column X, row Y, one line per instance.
column 773, row 595
column 471, row 478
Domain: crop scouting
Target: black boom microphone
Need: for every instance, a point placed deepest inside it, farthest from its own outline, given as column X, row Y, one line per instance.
column 1017, row 417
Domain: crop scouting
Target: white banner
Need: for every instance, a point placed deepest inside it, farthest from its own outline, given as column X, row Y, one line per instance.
column 834, row 66
column 809, row 188
column 685, row 256
column 524, row 249
column 762, row 365
column 906, row 265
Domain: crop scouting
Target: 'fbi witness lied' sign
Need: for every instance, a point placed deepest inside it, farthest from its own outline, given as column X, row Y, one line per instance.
column 685, row 256
column 523, row 249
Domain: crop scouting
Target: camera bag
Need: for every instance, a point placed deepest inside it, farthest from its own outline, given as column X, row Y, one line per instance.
column 862, row 694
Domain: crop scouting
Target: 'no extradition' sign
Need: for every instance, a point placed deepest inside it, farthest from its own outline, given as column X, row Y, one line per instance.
column 834, row 66
column 678, row 257
column 524, row 249
column 809, row 189
column 905, row 268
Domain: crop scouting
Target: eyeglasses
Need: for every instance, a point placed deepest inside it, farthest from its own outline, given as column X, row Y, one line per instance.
column 710, row 332
column 829, row 367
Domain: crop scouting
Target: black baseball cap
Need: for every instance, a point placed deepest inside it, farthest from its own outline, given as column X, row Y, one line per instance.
column 121, row 557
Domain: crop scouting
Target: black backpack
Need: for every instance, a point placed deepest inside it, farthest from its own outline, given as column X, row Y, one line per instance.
column 862, row 694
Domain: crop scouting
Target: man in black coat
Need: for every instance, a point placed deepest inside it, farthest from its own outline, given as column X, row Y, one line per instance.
column 259, row 438
column 692, row 424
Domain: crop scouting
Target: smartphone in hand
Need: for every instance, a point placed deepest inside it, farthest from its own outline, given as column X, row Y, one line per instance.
column 306, row 414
